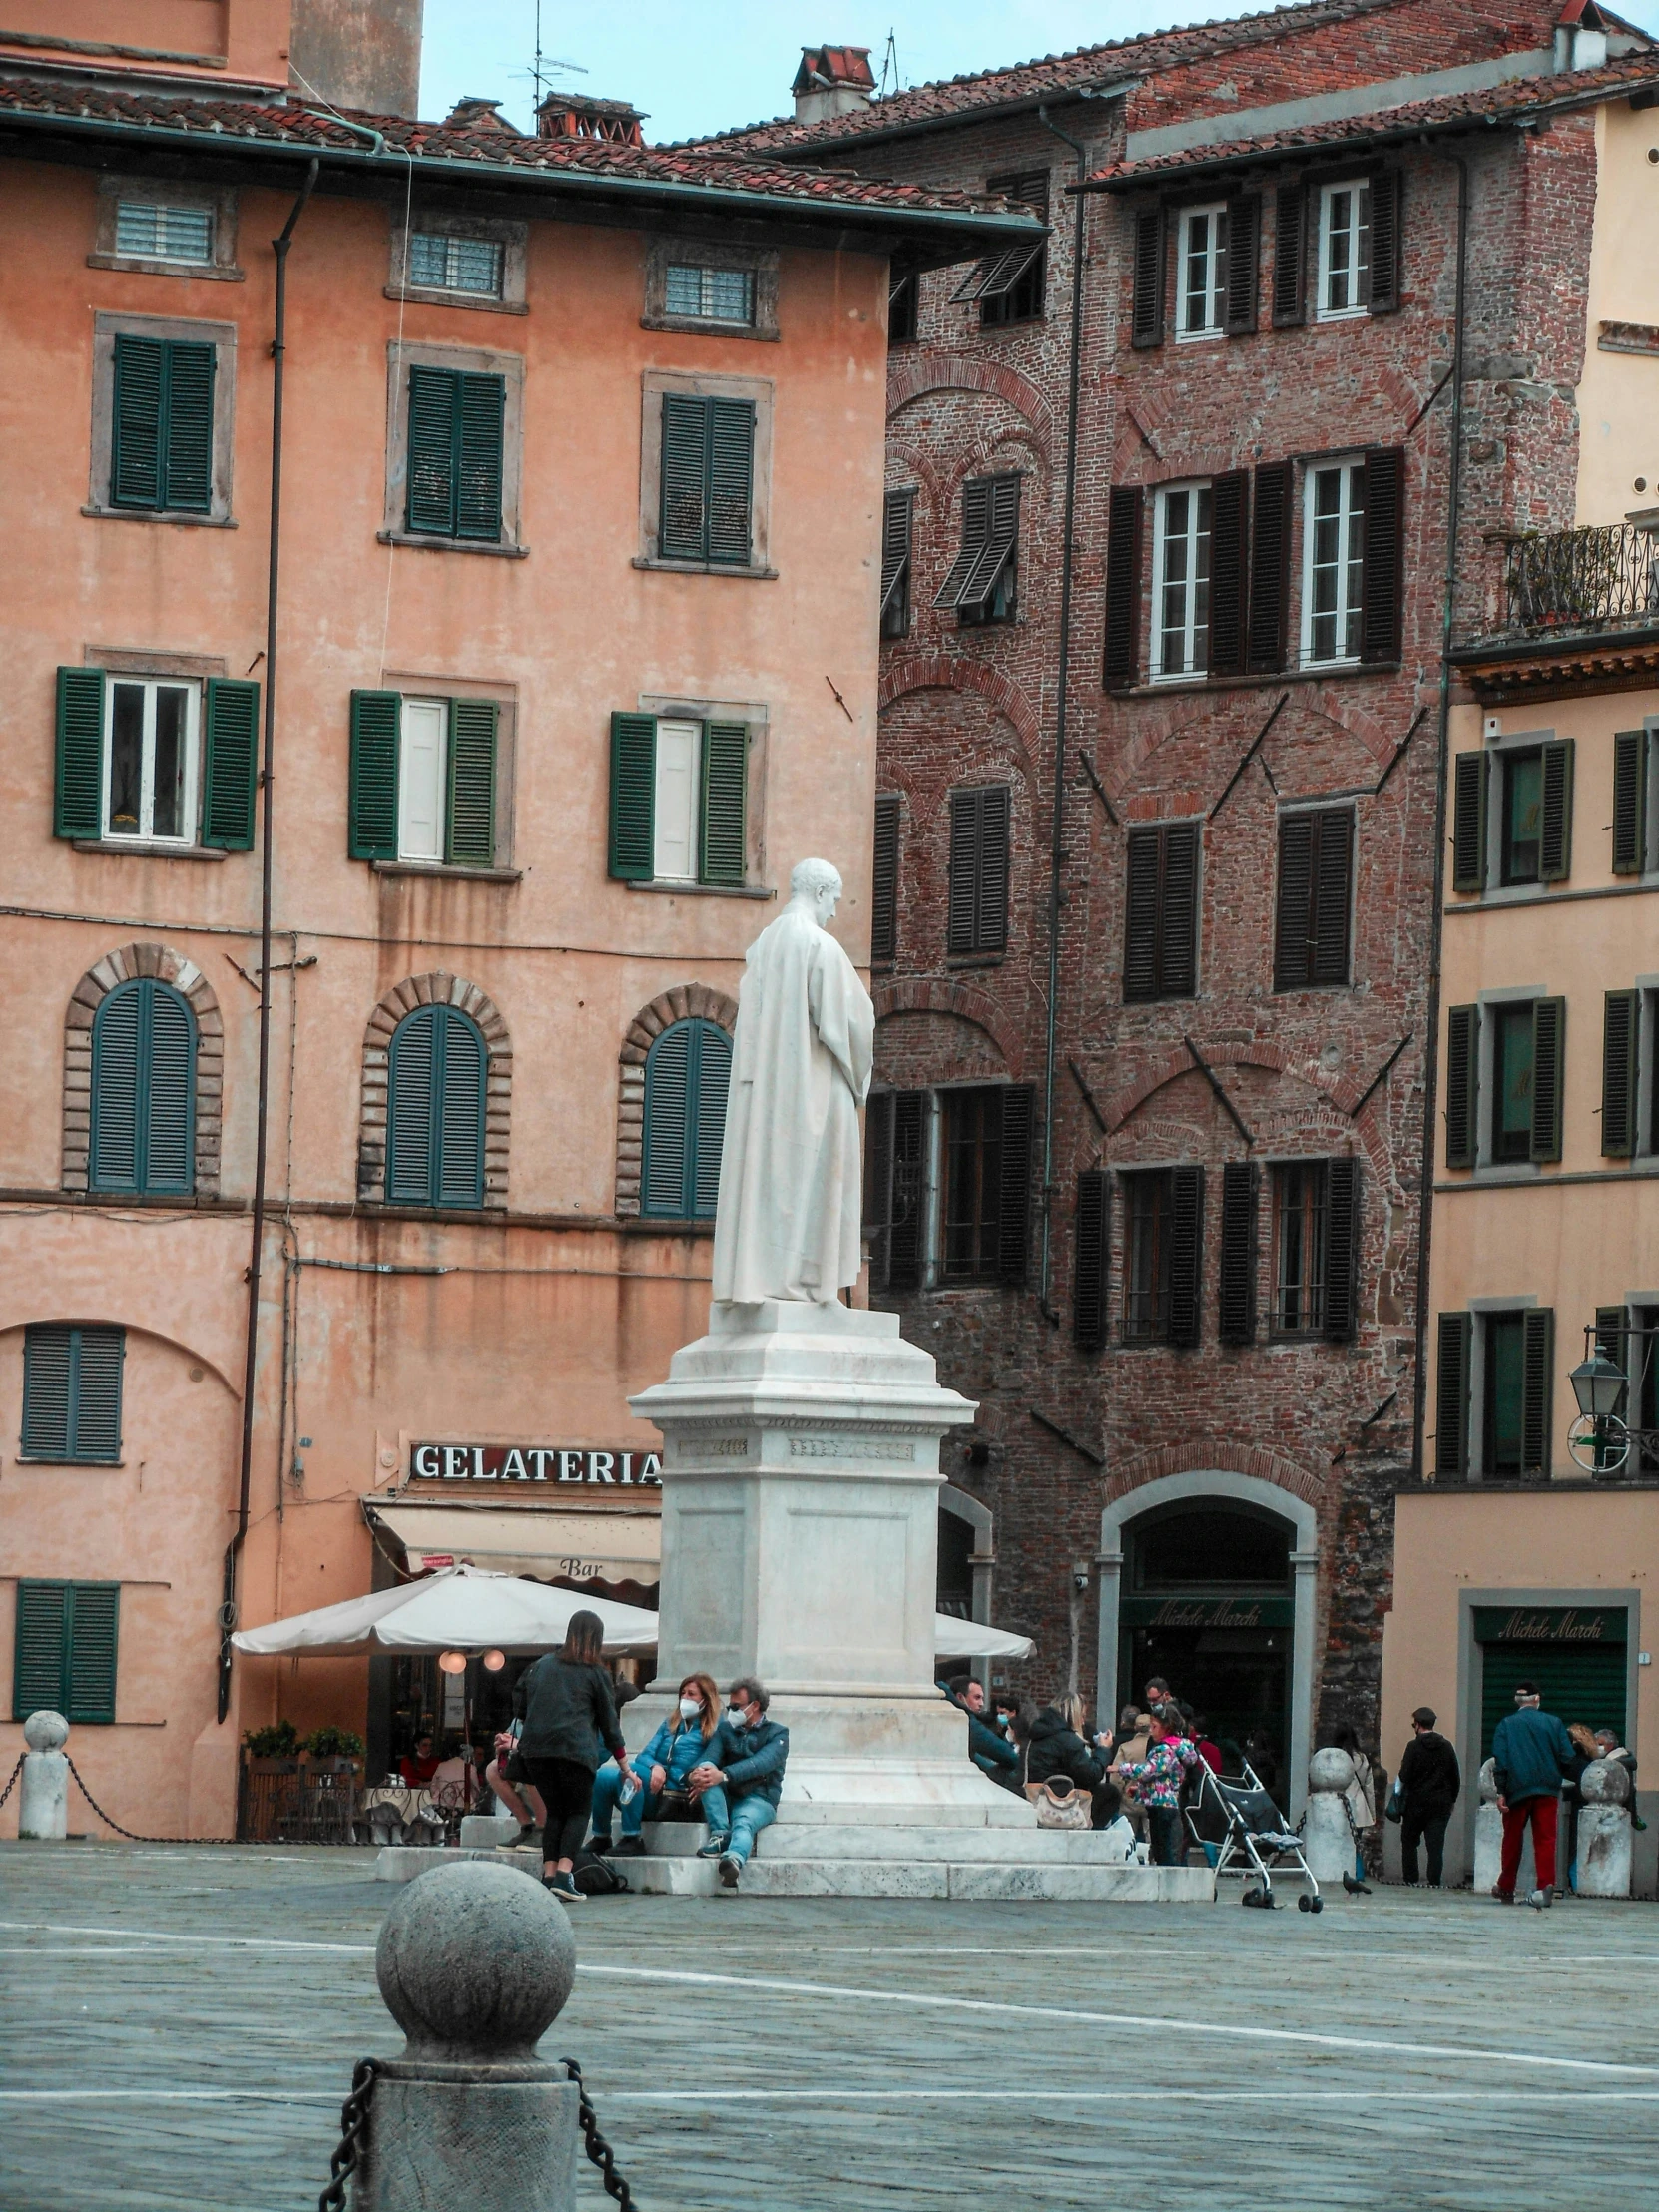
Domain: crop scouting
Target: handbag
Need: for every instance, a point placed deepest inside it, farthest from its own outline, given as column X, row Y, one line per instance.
column 1060, row 1804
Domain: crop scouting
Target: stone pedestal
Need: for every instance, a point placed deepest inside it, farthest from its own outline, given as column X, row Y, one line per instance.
column 1327, row 1839
column 43, row 1796
column 1605, row 1831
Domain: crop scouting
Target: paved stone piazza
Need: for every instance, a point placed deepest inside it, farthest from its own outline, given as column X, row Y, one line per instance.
column 180, row 2026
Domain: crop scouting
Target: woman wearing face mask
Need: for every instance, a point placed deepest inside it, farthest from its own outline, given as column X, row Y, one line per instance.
column 663, row 1765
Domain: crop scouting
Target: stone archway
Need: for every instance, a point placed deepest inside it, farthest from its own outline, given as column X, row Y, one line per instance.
column 115, row 968
column 685, row 1002
column 437, row 990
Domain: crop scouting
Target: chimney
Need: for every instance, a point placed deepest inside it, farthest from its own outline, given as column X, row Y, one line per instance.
column 361, row 54
column 575, row 115
column 482, row 118
column 1581, row 36
column 831, row 80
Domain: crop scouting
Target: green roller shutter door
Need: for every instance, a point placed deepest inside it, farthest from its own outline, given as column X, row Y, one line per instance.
column 1580, row 1682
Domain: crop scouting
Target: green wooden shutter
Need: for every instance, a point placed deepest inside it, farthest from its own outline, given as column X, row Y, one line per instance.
column 682, row 528
column 1235, row 1299
column 78, row 794
column 1620, row 1015
column 228, row 763
column 481, row 413
column 1088, row 1304
column 1342, row 1250
column 711, row 1071
column 1462, row 1086
column 470, row 837
column 668, row 1079
column 40, row 1650
column 1185, row 1255
column 1013, row 1208
column 95, row 1408
column 1555, row 833
column 723, row 848
column 72, row 1392
column 93, row 1614
column 115, row 1143
column 409, row 1098
column 168, row 1155
column 459, row 1091
column 633, row 797
column 1470, row 773
column 188, row 448
column 1630, row 749
column 435, row 451
column 48, row 1364
column 1454, row 1337
column 1537, row 1388
column 376, row 718
column 731, row 481
column 1550, row 1040
column 138, row 407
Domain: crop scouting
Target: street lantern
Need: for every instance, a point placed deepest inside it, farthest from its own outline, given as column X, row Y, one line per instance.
column 1598, row 1386
column 452, row 1662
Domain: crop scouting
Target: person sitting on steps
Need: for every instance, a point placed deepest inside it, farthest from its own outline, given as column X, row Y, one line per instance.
column 741, row 1777
column 678, row 1745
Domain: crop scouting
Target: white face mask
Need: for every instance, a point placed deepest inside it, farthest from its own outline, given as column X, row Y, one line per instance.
column 736, row 1714
column 690, row 1708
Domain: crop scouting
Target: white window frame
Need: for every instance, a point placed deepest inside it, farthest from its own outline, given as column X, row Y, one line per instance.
column 1214, row 256
column 1348, row 564
column 190, row 805
column 1357, row 232
column 1190, row 670
column 681, row 727
column 405, row 781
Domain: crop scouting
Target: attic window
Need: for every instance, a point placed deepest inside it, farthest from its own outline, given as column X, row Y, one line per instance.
column 149, row 230
column 443, row 263
column 702, row 295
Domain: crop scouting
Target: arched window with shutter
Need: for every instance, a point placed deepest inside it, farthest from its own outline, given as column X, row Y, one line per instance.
column 687, row 1073
column 143, row 1134
column 435, row 1110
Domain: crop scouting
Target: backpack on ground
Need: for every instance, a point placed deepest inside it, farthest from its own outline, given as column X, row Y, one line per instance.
column 594, row 1878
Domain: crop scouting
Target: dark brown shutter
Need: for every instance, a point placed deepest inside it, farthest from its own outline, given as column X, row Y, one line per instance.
column 1342, row 1250
column 1619, row 1019
column 1381, row 569
column 1537, row 1388
column 1470, row 772
column 1333, row 894
column 1235, row 1303
column 1123, row 586
column 1451, row 1394
column 1013, row 1213
column 964, row 870
column 1244, row 236
column 1549, row 1039
column 1461, row 1086
column 906, row 1239
column 1629, row 802
column 1140, row 914
column 884, row 900
column 1270, row 567
column 878, row 1185
column 1178, row 920
column 1185, row 1255
column 1556, row 830
column 1290, row 226
column 897, row 520
column 1088, row 1302
column 990, row 913
column 1291, row 966
column 1151, row 254
column 1387, row 190
column 1229, row 570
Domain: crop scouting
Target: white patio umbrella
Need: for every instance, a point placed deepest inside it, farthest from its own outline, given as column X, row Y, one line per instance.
column 957, row 1639
column 455, row 1609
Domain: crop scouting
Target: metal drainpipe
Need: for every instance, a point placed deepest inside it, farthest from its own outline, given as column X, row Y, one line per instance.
column 1431, row 1092
column 1056, row 847
column 278, row 347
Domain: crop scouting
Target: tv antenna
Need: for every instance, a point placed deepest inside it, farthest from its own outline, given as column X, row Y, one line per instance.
column 545, row 67
column 890, row 67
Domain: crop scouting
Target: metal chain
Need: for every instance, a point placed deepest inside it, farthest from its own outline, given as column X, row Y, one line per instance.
column 127, row 1831
column 12, row 1783
column 599, row 2151
column 353, row 2126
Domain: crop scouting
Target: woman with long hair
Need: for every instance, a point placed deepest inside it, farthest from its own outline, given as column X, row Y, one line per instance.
column 569, row 1721
column 661, row 1766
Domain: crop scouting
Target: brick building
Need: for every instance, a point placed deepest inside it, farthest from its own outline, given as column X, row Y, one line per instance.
column 1148, row 1143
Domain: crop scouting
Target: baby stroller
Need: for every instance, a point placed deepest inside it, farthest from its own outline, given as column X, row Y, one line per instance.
column 1255, row 1831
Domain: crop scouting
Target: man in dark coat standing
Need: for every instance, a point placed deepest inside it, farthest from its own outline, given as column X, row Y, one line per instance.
column 1430, row 1782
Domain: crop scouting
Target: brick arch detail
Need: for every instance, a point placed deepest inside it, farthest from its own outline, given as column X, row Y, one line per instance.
column 161, row 962
column 436, row 989
column 912, row 672
column 685, row 1002
column 1343, row 1093
column 923, row 994
column 914, row 375
column 1167, row 1459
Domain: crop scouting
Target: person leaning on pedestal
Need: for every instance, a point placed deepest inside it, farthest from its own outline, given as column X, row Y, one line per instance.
column 1427, row 1788
column 1531, row 1751
column 740, row 1779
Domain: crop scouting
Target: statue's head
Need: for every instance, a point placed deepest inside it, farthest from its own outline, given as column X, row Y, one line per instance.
column 819, row 884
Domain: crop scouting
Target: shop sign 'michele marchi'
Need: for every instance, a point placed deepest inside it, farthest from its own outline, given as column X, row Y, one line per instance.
column 551, row 1464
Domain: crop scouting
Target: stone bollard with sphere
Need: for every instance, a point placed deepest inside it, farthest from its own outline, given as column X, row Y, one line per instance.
column 1605, row 1841
column 42, row 1802
column 1327, row 1838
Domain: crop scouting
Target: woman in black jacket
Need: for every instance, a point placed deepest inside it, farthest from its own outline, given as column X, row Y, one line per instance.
column 569, row 1715
column 1055, row 1745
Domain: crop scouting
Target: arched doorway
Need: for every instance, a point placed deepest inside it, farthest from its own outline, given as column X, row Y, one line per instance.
column 965, row 1561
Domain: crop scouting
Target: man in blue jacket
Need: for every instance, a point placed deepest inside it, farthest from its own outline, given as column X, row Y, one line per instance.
column 988, row 1747
column 741, row 1777
column 1531, row 1751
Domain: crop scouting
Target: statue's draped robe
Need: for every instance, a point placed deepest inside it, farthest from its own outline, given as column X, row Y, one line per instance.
column 789, row 1217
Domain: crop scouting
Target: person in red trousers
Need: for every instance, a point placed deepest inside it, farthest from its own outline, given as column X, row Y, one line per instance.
column 1531, row 1751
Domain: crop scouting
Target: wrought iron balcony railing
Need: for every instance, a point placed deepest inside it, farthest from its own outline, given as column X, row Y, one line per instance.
column 1581, row 580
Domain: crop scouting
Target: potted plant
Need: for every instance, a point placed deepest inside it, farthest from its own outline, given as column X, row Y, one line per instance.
column 333, row 1751
column 274, row 1750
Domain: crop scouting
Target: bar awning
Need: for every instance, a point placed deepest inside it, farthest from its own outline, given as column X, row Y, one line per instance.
column 592, row 1546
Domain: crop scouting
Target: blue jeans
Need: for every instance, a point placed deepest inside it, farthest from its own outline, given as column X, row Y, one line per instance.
column 607, row 1787
column 742, row 1823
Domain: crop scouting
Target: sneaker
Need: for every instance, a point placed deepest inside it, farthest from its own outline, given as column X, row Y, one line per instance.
column 526, row 1835
column 563, row 1886
column 631, row 1847
column 1505, row 1897
column 1541, row 1899
column 731, row 1867
column 715, row 1848
column 600, row 1846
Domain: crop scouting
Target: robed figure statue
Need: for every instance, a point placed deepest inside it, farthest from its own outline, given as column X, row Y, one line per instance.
column 790, row 1214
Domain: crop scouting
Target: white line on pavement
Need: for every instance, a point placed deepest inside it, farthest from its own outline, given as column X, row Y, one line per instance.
column 830, row 2097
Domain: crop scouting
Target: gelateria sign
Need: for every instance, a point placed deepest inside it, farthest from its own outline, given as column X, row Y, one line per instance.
column 550, row 1465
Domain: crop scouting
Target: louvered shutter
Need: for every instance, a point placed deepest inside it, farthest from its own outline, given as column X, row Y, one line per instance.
column 1178, row 912
column 115, row 1149
column 713, row 1081
column 470, row 837
column 884, row 914
column 48, row 1360
column 1555, row 829
column 1014, row 1208
column 137, row 406
column 1244, row 232
column 668, row 1079
column 898, row 523
column 1290, row 228
column 410, row 1097
column 682, row 532
column 1453, row 1336
column 78, row 790
column 1461, row 1086
column 1144, row 882
column 723, row 848
column 188, row 415
column 40, row 1650
column 633, row 854
column 878, row 1222
column 434, row 441
column 1185, row 1255
column 1151, row 253
column 976, row 530
column 1291, row 964
column 1537, row 1388
column 1387, row 199
column 1235, row 1296
column 1088, row 1304
column 167, row 1157
column 1123, row 586
column 1000, row 554
column 480, row 440
column 375, row 724
column 1333, row 894
column 990, row 906
column 458, row 1165
column 1629, row 802
column 228, row 763
column 1549, row 1039
column 731, row 480
column 93, row 1612
column 1229, row 571
column 1342, row 1250
column 906, row 1242
column 1382, row 567
column 1270, row 568
column 1470, row 782
column 1621, row 1013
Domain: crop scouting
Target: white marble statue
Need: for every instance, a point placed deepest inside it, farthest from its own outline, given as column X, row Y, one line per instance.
column 789, row 1217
